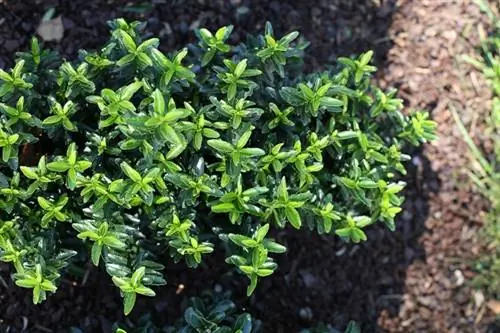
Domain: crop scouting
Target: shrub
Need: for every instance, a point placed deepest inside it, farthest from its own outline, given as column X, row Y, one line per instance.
column 129, row 154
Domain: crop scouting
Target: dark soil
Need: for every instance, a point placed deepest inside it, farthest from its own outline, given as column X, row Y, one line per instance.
column 406, row 281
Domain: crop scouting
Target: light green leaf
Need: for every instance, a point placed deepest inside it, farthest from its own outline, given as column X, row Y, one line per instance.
column 96, row 253
column 293, row 217
column 130, row 172
column 221, row 146
column 128, row 302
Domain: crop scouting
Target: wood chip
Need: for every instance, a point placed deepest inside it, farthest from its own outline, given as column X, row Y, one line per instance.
column 51, row 30
column 494, row 306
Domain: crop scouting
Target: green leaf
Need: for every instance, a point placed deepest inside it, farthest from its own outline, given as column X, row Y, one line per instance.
column 125, row 60
column 331, row 103
column 225, row 207
column 52, row 120
column 26, row 283
column 58, row 166
column 221, row 146
column 113, row 242
column 282, row 190
column 127, row 92
column 171, row 135
column 274, row 247
column 71, row 179
column 261, row 233
column 127, row 41
column 130, row 172
column 138, row 275
column 47, row 285
column 246, row 269
column 159, row 102
column 128, row 302
column 145, row 291
column 344, row 232
column 96, row 253
column 262, row 272
column 44, row 203
column 194, row 318
column 252, row 152
column 293, row 217
column 240, row 68
column 29, row 172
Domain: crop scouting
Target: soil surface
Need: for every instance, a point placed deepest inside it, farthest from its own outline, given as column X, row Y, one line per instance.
column 413, row 280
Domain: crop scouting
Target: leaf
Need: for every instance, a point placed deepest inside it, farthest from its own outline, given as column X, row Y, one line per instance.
column 48, row 286
column 152, row 42
column 51, row 120
column 130, row 172
column 246, row 269
column 127, row 92
column 128, row 302
column 264, row 272
column 253, row 284
column 344, row 232
column 243, row 140
column 145, row 291
column 175, row 151
column 144, row 60
column 221, row 146
column 4, row 76
column 96, row 253
column 127, row 41
column 138, row 275
column 58, row 166
column 71, row 179
column 205, row 35
column 252, row 152
column 81, row 166
column 225, row 207
column 231, row 91
column 261, row 233
column 6, row 153
column 169, row 134
column 293, row 217
column 26, row 283
column 331, row 103
column 194, row 318
column 29, row 172
column 159, row 102
column 114, row 242
column 287, row 39
column 282, row 190
column 238, row 239
column 345, row 135
column 44, row 203
column 125, row 60
column 240, row 68
column 274, row 247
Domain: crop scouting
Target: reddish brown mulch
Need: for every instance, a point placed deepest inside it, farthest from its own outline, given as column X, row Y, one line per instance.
column 406, row 281
column 429, row 37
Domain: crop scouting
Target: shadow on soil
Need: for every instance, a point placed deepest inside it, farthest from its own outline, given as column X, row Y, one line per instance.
column 321, row 278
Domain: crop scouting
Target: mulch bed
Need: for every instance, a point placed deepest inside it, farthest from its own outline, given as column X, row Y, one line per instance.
column 412, row 280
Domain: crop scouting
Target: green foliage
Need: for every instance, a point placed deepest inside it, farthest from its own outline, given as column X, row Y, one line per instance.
column 131, row 155
column 216, row 313
column 213, row 312
column 486, row 172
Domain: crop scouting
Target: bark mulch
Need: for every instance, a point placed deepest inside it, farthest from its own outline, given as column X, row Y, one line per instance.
column 412, row 280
